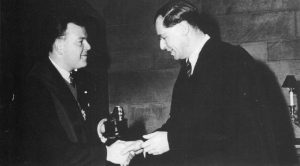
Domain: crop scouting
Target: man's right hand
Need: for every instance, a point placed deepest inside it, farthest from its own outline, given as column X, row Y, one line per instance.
column 101, row 130
column 133, row 146
column 115, row 155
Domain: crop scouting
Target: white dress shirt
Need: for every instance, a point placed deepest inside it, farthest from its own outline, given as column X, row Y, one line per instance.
column 64, row 73
column 194, row 56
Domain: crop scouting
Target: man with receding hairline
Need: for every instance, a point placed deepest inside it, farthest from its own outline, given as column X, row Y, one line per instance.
column 226, row 109
column 59, row 111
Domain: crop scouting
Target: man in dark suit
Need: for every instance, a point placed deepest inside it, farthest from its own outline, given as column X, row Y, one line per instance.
column 59, row 112
column 226, row 109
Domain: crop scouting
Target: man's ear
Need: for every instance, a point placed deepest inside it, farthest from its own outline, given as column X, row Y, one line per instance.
column 185, row 27
column 58, row 46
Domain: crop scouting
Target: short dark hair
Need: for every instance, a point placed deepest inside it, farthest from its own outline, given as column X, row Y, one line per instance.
column 55, row 26
column 176, row 11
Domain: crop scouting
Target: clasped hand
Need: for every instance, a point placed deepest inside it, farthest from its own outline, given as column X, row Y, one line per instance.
column 123, row 151
column 120, row 152
column 156, row 143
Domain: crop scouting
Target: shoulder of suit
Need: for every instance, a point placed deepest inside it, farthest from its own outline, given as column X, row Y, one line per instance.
column 229, row 56
column 232, row 52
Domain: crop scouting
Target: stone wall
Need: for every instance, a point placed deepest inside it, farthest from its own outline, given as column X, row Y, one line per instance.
column 141, row 77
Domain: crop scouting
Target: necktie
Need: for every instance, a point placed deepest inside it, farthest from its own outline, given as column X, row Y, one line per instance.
column 74, row 92
column 188, row 68
column 72, row 81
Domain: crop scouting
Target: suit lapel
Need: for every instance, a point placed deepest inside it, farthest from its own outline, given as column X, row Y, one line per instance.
column 65, row 103
column 204, row 55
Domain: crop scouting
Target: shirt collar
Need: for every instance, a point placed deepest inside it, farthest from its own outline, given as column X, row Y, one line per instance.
column 194, row 56
column 64, row 73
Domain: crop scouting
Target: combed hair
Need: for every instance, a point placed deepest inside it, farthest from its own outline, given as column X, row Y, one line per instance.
column 55, row 26
column 176, row 11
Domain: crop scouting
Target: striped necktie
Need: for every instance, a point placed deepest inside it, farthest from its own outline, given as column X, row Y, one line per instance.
column 188, row 68
column 72, row 81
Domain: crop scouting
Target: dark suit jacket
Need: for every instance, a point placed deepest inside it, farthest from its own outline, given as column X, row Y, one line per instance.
column 229, row 112
column 52, row 129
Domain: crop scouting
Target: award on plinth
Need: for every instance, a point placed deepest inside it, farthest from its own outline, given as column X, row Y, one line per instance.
column 116, row 127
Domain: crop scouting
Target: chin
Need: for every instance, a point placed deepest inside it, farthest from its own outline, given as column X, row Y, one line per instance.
column 82, row 65
column 176, row 58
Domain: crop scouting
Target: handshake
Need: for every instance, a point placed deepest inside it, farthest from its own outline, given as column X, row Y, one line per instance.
column 119, row 151
column 111, row 132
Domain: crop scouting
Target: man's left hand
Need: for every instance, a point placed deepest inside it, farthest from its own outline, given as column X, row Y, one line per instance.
column 157, row 143
column 101, row 130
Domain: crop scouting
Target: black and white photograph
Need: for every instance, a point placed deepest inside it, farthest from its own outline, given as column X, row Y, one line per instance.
column 150, row 83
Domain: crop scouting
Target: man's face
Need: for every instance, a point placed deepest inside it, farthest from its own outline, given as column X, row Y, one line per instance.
column 172, row 39
column 75, row 47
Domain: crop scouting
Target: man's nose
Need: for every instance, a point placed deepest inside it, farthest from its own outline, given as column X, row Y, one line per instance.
column 87, row 46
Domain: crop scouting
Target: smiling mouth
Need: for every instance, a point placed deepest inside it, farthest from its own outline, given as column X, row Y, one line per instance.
column 84, row 57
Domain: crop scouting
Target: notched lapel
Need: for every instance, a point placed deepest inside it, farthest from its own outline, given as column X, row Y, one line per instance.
column 66, row 106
